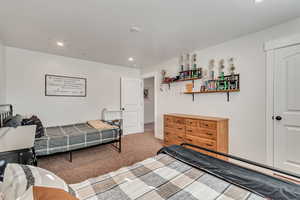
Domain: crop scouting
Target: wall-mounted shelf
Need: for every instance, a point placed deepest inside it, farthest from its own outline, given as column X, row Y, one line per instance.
column 213, row 91
column 181, row 80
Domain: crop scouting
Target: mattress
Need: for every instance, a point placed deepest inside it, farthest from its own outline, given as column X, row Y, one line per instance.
column 159, row 178
column 71, row 137
column 180, row 173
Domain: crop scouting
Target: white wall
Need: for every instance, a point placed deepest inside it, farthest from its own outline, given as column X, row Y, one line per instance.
column 149, row 103
column 26, row 86
column 2, row 75
column 246, row 110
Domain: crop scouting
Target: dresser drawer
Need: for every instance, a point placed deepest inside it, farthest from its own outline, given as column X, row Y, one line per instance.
column 167, row 138
column 167, row 142
column 178, row 139
column 206, row 143
column 168, row 125
column 179, row 128
column 202, row 133
column 167, row 133
column 174, row 139
column 192, row 122
column 178, row 120
column 175, row 131
column 208, row 124
column 168, row 119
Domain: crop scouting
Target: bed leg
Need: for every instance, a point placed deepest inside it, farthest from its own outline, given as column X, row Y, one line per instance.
column 120, row 146
column 120, row 141
column 35, row 163
column 70, row 156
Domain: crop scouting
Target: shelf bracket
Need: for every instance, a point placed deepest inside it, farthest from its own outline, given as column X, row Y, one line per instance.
column 228, row 97
column 193, row 97
column 193, row 83
column 169, row 85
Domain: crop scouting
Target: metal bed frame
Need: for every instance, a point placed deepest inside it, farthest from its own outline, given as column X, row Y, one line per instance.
column 117, row 144
column 6, row 113
column 245, row 161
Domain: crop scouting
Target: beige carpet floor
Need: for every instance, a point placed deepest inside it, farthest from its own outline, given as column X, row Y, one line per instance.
column 95, row 161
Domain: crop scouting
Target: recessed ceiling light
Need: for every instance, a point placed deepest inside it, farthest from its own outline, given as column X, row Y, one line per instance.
column 130, row 59
column 60, row 43
column 258, row 1
column 135, row 29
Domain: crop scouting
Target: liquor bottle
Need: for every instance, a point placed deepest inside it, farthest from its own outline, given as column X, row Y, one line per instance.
column 211, row 69
column 212, row 75
column 222, row 83
column 181, row 63
column 200, row 73
column 194, row 63
column 187, row 65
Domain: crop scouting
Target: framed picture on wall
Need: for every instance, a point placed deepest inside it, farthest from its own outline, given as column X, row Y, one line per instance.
column 65, row 86
column 146, row 93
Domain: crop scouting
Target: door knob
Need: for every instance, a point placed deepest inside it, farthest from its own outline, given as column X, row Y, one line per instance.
column 278, row 118
column 123, row 109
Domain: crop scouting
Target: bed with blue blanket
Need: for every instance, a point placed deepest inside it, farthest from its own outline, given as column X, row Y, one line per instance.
column 67, row 138
column 73, row 137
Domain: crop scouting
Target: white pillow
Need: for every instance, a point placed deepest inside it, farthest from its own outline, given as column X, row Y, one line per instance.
column 19, row 178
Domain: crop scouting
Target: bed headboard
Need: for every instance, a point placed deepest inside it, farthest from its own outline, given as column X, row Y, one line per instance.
column 6, row 110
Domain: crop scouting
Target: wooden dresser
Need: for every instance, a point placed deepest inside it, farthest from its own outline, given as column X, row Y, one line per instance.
column 208, row 132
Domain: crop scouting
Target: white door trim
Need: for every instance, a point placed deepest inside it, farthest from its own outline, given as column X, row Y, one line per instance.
column 282, row 42
column 270, row 48
column 270, row 107
column 156, row 86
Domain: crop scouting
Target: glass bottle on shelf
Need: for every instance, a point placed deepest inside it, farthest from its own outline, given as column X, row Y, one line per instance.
column 181, row 63
column 194, row 69
column 211, row 69
column 222, row 83
column 200, row 73
column 188, row 66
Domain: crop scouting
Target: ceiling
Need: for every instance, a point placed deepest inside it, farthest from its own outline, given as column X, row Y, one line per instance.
column 99, row 30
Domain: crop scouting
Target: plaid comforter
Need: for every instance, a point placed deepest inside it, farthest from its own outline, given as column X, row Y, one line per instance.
column 71, row 137
column 159, row 178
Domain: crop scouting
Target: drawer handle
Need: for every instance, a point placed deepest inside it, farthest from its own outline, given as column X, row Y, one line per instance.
column 189, row 140
column 210, row 145
column 179, row 128
column 180, row 137
column 209, row 134
column 190, row 130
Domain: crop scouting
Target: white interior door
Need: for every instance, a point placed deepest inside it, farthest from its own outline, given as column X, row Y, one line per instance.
column 287, row 109
column 132, row 103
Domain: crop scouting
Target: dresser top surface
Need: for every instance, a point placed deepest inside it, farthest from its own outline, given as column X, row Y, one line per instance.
column 197, row 117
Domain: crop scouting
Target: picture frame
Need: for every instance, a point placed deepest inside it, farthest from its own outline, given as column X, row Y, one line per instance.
column 146, row 93
column 65, row 86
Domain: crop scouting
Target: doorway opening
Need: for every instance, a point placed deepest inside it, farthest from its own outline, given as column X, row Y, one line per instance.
column 149, row 105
